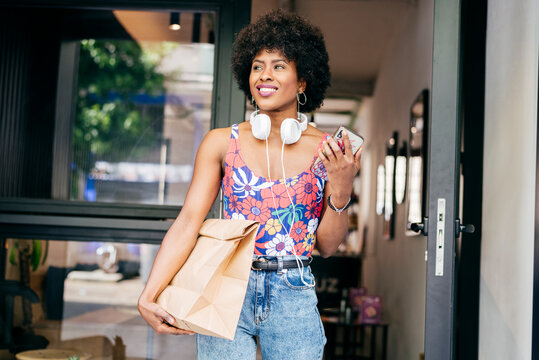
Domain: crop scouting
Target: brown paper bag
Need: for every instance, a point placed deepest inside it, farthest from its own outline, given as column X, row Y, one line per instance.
column 206, row 295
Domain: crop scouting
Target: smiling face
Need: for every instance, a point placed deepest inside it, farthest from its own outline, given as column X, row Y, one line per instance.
column 274, row 82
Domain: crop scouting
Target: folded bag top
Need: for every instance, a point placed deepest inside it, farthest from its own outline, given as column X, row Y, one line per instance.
column 207, row 293
column 225, row 229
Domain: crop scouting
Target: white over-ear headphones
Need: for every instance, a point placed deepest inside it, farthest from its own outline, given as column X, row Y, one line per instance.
column 291, row 129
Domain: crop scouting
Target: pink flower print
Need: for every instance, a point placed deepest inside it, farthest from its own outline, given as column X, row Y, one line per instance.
column 233, row 156
column 234, row 205
column 306, row 189
column 234, row 147
column 255, row 210
column 227, row 184
column 299, row 249
column 258, row 250
column 236, row 161
column 280, row 245
column 298, row 231
column 260, row 245
column 282, row 200
column 261, row 233
column 313, row 210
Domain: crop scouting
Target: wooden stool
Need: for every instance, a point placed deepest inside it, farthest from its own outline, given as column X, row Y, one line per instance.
column 52, row 354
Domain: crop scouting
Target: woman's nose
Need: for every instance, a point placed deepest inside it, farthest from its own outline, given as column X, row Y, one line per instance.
column 266, row 74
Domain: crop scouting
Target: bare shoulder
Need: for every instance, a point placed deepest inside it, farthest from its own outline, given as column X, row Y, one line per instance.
column 219, row 134
column 315, row 132
column 244, row 126
column 314, row 135
column 216, row 141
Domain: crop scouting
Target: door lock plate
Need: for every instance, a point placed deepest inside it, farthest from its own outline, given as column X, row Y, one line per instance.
column 440, row 235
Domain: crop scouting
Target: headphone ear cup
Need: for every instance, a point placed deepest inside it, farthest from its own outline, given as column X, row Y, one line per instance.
column 290, row 131
column 260, row 125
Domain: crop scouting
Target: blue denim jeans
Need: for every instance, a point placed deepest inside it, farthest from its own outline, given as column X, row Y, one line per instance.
column 279, row 310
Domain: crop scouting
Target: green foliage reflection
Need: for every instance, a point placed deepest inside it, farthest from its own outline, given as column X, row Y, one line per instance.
column 111, row 122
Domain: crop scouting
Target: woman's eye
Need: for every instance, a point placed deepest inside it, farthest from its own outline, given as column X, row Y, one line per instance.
column 257, row 67
column 279, row 66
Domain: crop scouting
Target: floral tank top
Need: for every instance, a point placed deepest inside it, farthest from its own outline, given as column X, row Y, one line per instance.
column 249, row 196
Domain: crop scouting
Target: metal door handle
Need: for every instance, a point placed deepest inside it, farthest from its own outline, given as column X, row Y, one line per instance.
column 467, row 228
column 421, row 227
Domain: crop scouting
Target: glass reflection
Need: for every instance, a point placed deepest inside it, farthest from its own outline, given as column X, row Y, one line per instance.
column 380, row 190
column 417, row 162
column 143, row 106
column 88, row 301
column 416, row 178
column 388, row 203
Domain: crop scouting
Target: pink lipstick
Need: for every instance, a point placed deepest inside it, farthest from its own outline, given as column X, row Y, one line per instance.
column 266, row 90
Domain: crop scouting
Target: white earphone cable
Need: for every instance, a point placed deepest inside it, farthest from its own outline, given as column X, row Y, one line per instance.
column 298, row 260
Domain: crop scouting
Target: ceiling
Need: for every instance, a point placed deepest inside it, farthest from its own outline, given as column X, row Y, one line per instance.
column 357, row 33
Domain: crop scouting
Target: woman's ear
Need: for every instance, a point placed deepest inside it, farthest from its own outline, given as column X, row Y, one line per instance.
column 302, row 84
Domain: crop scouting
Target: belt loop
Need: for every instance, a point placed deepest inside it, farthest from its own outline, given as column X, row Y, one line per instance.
column 279, row 264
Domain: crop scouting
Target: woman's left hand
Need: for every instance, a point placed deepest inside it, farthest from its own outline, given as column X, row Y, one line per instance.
column 341, row 167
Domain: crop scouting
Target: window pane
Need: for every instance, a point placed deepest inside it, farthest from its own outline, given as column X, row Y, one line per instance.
column 143, row 105
column 88, row 299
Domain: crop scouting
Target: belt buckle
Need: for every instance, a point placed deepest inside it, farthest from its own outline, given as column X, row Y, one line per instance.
column 260, row 260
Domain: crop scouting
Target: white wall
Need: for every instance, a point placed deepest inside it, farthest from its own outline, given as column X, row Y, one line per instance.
column 509, row 180
column 395, row 269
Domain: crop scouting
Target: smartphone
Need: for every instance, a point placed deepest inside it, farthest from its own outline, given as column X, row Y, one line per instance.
column 356, row 141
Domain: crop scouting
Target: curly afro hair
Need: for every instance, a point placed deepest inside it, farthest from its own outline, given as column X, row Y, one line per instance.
column 298, row 40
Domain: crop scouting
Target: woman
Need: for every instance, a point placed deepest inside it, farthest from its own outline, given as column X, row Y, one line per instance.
column 281, row 63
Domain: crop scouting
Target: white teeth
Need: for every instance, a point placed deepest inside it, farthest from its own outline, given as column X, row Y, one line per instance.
column 267, row 90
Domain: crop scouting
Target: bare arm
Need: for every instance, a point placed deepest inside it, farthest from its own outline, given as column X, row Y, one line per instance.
column 181, row 237
column 341, row 170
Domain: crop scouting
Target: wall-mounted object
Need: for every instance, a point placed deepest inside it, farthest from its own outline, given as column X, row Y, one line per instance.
column 400, row 173
column 380, row 189
column 417, row 161
column 174, row 21
column 389, row 199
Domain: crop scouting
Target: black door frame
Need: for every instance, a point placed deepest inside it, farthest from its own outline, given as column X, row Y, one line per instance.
column 535, row 308
column 473, row 47
column 458, row 89
column 443, row 184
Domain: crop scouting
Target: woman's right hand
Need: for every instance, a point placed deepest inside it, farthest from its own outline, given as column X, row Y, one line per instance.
column 181, row 236
column 159, row 319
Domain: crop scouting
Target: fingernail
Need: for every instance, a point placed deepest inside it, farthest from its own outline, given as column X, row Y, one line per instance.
column 170, row 320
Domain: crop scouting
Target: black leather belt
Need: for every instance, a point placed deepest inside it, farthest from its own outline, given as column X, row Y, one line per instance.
column 271, row 264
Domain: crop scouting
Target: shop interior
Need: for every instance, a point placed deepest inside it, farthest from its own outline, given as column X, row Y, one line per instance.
column 141, row 88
